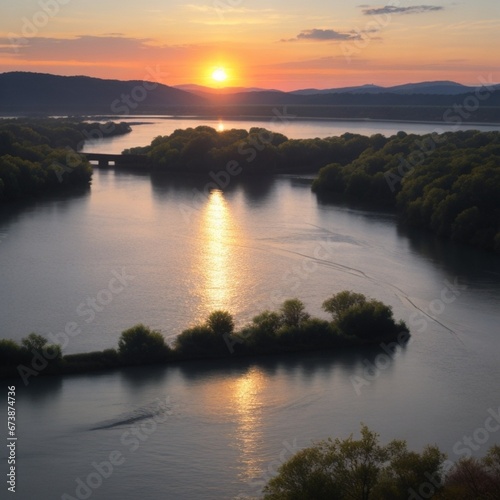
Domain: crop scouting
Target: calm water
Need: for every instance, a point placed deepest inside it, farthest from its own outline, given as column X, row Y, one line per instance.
column 281, row 122
column 215, row 430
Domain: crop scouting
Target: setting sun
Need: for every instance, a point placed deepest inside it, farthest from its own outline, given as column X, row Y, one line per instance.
column 219, row 75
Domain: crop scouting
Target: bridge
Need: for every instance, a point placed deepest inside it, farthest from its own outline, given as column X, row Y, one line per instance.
column 118, row 161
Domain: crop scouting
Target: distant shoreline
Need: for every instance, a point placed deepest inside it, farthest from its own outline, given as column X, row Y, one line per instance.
column 264, row 117
column 259, row 117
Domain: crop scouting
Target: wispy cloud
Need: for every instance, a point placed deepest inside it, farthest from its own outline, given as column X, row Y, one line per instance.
column 323, row 35
column 391, row 9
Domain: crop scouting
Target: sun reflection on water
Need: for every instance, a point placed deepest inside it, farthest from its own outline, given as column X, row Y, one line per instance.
column 247, row 401
column 218, row 256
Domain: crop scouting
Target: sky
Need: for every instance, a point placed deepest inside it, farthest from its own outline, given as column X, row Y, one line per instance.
column 280, row 44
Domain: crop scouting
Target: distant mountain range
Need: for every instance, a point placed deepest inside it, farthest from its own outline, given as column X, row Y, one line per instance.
column 436, row 88
column 35, row 93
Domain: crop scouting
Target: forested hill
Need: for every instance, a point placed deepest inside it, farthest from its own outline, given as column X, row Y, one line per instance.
column 35, row 93
column 43, row 93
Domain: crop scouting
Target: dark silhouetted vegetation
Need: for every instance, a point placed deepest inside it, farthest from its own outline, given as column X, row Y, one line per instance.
column 449, row 183
column 140, row 345
column 290, row 329
column 363, row 469
column 33, row 350
column 41, row 156
column 204, row 149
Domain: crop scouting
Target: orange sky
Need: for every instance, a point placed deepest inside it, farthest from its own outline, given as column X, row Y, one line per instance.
column 272, row 44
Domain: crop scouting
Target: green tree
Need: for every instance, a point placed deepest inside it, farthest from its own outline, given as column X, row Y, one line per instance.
column 347, row 469
column 34, row 341
column 341, row 302
column 351, row 469
column 305, row 476
column 38, row 343
column 407, row 471
column 221, row 323
column 372, row 321
column 11, row 352
column 261, row 334
column 293, row 313
column 141, row 345
column 201, row 341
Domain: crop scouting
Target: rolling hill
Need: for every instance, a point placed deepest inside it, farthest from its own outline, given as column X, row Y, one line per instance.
column 35, row 93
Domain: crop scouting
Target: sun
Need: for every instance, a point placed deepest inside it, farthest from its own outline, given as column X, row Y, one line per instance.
column 219, row 75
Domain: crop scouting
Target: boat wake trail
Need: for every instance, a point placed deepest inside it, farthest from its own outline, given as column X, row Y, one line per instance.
column 159, row 410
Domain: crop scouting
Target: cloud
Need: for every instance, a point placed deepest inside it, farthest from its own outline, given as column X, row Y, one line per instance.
column 390, row 9
column 323, row 35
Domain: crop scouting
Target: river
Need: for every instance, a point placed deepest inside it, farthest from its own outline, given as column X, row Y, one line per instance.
column 216, row 430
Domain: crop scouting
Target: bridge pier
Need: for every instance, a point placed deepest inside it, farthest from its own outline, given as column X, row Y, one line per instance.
column 119, row 162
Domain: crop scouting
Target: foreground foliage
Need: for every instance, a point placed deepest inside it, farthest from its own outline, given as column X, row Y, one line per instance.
column 364, row 469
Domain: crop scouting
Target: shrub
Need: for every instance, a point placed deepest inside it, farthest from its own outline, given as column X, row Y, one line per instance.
column 293, row 313
column 141, row 345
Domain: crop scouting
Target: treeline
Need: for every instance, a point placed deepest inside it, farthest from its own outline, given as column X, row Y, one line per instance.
column 355, row 322
column 41, row 156
column 363, row 469
column 258, row 150
column 448, row 183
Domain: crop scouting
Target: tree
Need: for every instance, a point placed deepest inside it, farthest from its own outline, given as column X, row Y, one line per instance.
column 10, row 352
column 371, row 322
column 407, row 471
column 262, row 332
column 331, row 469
column 305, row 476
column 141, row 345
column 34, row 341
column 221, row 323
column 211, row 338
column 341, row 302
column 352, row 469
column 293, row 313
column 474, row 478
